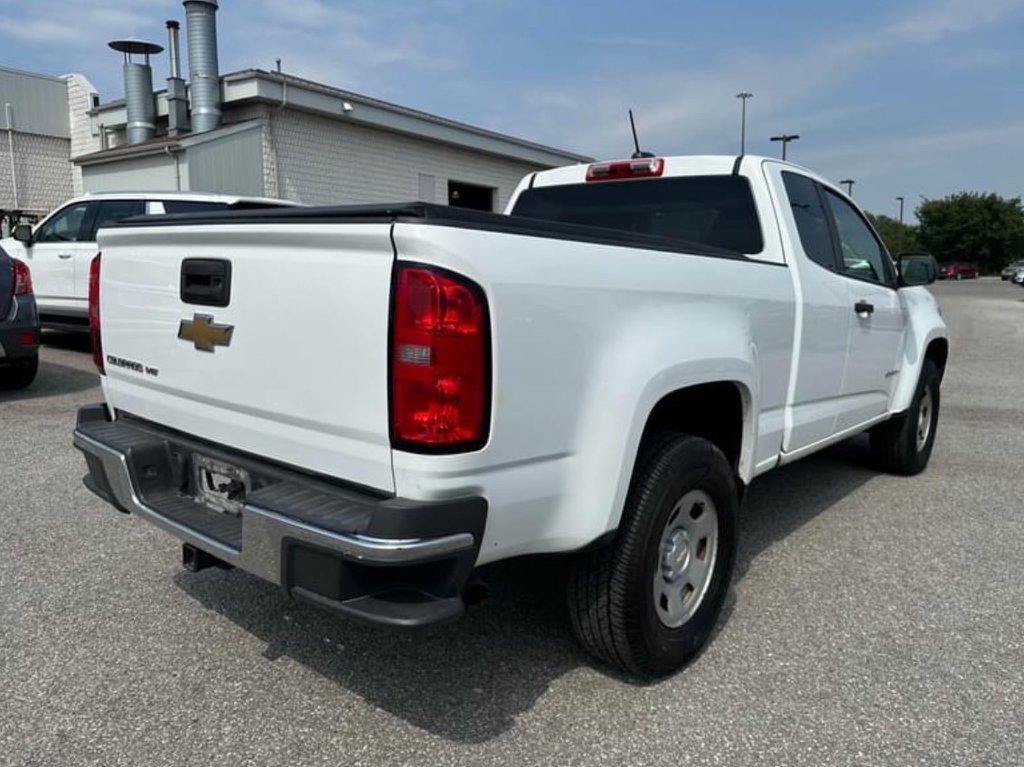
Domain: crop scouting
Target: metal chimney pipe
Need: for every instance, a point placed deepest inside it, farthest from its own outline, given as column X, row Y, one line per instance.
column 204, row 73
column 138, row 89
column 177, row 98
column 172, row 48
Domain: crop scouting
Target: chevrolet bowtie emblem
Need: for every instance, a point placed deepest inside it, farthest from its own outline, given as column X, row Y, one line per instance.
column 204, row 333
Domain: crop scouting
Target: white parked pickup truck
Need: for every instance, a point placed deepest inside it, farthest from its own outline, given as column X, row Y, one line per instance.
column 365, row 404
column 60, row 247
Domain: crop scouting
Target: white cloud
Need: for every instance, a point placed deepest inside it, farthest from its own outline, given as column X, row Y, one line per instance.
column 359, row 45
column 878, row 157
column 78, row 25
column 625, row 41
column 940, row 19
column 692, row 109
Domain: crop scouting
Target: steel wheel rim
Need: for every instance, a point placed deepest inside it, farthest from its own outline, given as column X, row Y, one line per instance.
column 687, row 553
column 924, row 420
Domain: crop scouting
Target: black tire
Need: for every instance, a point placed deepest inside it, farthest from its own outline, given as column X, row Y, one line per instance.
column 19, row 374
column 894, row 444
column 612, row 603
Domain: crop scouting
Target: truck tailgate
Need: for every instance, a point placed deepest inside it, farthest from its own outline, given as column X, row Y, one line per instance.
column 302, row 378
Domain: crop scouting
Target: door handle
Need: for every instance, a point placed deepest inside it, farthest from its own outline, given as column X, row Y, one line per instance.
column 65, row 256
column 863, row 307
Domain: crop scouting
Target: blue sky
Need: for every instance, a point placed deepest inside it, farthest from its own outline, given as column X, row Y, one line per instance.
column 914, row 99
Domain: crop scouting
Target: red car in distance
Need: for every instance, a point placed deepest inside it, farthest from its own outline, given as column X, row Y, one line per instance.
column 958, row 270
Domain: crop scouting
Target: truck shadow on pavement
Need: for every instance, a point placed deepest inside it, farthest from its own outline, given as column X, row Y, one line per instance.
column 53, row 380
column 467, row 682
column 75, row 342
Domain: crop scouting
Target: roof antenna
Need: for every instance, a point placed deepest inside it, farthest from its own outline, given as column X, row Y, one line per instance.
column 636, row 142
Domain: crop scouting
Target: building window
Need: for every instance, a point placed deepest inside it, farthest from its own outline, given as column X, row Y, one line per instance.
column 473, row 196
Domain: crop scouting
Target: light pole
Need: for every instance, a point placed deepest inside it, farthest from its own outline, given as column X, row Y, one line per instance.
column 849, row 186
column 899, row 239
column 743, row 96
column 785, row 138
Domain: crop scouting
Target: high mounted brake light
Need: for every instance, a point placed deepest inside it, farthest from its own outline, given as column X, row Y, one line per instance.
column 440, row 362
column 94, row 313
column 623, row 169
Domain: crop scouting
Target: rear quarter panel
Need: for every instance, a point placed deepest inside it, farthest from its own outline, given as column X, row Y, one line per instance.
column 586, row 339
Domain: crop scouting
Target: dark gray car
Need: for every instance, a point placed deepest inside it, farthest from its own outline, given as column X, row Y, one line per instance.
column 19, row 325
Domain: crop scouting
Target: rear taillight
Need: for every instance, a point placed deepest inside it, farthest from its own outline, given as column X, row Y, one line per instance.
column 644, row 167
column 440, row 362
column 94, row 313
column 22, row 278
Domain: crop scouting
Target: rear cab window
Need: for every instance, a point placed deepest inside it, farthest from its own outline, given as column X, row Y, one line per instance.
column 112, row 211
column 716, row 211
column 193, row 206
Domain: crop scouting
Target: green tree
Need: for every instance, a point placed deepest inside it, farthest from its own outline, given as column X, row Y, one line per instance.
column 898, row 238
column 969, row 226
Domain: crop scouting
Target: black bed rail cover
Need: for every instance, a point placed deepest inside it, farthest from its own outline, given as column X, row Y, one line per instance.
column 435, row 215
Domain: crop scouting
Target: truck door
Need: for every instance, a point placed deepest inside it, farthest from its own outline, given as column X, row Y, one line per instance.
column 824, row 311
column 878, row 322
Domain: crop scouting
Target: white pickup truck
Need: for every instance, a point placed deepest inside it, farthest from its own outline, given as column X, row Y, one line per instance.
column 365, row 404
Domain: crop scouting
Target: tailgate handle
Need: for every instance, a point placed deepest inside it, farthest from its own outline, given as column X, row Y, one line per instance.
column 206, row 281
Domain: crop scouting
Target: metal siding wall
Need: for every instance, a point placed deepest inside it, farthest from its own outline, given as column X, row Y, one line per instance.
column 229, row 165
column 142, row 174
column 322, row 161
column 40, row 104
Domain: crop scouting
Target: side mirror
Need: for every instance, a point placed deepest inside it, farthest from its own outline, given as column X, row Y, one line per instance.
column 917, row 269
column 23, row 233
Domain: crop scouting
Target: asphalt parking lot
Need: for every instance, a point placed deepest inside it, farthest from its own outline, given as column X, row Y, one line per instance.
column 874, row 620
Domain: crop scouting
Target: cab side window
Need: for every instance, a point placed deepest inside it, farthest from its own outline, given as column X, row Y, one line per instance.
column 65, row 226
column 863, row 256
column 811, row 219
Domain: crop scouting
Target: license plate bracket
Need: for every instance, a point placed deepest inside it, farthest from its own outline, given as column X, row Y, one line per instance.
column 219, row 485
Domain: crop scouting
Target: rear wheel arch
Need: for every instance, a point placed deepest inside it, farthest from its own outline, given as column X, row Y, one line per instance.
column 718, row 411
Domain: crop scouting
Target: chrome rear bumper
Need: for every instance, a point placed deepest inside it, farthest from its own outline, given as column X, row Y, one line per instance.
column 337, row 547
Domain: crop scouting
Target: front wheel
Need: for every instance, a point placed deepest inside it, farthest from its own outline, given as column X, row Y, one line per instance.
column 904, row 444
column 648, row 602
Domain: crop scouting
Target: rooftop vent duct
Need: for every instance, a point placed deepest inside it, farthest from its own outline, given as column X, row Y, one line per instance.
column 201, row 21
column 138, row 89
column 177, row 99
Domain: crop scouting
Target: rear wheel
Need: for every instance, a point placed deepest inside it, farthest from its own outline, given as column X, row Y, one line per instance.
column 19, row 374
column 648, row 602
column 904, row 444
